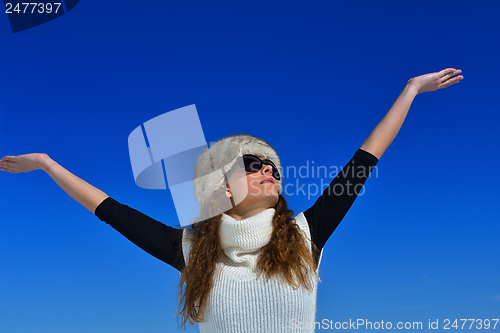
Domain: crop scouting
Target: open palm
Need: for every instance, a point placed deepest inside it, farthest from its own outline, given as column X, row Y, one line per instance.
column 22, row 163
column 438, row 80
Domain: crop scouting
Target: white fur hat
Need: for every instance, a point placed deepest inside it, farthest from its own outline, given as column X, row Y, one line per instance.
column 222, row 155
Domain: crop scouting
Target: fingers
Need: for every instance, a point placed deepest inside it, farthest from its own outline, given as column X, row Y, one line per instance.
column 4, row 166
column 448, row 79
column 448, row 72
column 457, row 71
column 6, row 163
column 7, row 159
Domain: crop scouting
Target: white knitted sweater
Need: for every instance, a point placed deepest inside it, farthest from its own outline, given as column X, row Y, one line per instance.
column 241, row 302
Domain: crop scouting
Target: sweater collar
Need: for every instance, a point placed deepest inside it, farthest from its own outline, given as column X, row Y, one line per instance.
column 239, row 238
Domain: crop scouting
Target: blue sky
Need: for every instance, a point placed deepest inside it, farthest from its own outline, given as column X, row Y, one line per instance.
column 311, row 78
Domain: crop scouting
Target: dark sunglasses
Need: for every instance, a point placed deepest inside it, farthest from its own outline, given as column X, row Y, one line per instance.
column 255, row 164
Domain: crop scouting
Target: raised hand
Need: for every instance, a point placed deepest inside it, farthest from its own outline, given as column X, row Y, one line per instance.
column 86, row 194
column 435, row 81
column 26, row 163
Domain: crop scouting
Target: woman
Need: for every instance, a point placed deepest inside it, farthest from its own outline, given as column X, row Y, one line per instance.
column 249, row 266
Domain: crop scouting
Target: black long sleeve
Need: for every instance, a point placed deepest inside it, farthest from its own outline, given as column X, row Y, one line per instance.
column 156, row 238
column 330, row 208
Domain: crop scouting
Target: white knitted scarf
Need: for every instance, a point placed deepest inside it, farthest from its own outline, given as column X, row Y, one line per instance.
column 241, row 240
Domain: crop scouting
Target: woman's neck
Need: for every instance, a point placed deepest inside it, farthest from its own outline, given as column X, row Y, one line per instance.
column 238, row 213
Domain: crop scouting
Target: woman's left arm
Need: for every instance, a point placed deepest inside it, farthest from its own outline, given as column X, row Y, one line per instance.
column 383, row 134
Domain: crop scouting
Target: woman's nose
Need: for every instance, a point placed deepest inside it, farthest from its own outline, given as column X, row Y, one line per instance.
column 267, row 169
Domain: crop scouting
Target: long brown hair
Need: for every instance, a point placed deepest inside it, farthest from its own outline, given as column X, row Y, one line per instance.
column 286, row 256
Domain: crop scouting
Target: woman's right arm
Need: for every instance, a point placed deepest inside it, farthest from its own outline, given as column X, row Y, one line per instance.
column 86, row 194
column 154, row 237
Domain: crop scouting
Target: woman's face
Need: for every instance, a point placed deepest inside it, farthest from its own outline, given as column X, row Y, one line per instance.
column 250, row 189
